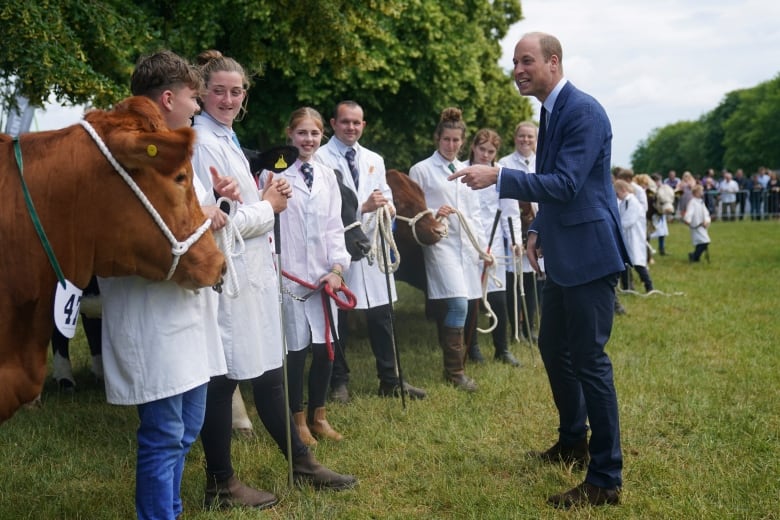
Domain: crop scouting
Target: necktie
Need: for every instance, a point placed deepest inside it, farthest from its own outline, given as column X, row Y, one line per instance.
column 451, row 167
column 234, row 137
column 527, row 161
column 308, row 174
column 350, row 155
column 542, row 130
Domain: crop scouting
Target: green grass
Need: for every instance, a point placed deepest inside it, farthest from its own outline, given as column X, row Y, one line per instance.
column 697, row 378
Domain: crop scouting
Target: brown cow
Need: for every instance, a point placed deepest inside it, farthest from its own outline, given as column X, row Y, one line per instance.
column 409, row 201
column 94, row 223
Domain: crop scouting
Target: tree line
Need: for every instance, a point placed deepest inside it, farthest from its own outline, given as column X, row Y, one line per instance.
column 402, row 60
column 743, row 131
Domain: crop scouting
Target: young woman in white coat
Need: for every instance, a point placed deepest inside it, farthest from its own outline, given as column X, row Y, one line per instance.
column 524, row 159
column 314, row 252
column 249, row 322
column 484, row 148
column 452, row 265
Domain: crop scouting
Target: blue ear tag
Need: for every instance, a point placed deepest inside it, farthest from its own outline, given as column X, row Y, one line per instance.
column 67, row 300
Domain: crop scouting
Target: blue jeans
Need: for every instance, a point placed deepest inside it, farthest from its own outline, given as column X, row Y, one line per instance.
column 457, row 309
column 168, row 428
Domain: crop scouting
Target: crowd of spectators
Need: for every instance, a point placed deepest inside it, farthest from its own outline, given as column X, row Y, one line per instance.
column 730, row 196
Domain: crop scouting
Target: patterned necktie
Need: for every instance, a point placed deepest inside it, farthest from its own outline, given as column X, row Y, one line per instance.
column 308, row 174
column 350, row 155
column 451, row 167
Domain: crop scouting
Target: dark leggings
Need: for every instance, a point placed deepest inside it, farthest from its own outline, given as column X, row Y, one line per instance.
column 497, row 301
column 319, row 377
column 268, row 392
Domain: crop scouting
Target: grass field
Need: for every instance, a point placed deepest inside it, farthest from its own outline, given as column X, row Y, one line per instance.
column 697, row 378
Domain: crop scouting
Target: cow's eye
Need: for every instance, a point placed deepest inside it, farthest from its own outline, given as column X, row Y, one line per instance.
column 181, row 178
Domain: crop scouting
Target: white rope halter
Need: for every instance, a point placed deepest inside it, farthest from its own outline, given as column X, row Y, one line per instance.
column 177, row 248
column 231, row 243
column 413, row 223
column 484, row 256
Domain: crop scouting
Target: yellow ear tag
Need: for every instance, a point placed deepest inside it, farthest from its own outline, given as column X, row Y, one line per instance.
column 151, row 150
column 280, row 162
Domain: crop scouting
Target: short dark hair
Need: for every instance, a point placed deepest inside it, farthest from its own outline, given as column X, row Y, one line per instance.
column 162, row 71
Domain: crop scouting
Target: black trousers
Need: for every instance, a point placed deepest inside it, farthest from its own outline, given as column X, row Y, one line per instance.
column 268, row 392
column 380, row 336
column 319, row 376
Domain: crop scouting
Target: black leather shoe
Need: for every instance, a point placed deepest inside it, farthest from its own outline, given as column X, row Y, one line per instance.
column 475, row 354
column 340, row 394
column 576, row 455
column 585, row 494
column 394, row 390
column 507, row 358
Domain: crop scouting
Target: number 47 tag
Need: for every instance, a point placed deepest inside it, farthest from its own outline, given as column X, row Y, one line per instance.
column 67, row 301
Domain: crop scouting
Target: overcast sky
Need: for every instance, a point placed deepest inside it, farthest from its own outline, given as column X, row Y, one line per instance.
column 649, row 63
column 655, row 63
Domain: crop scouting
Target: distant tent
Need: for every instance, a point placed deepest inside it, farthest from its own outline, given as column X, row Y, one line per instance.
column 19, row 117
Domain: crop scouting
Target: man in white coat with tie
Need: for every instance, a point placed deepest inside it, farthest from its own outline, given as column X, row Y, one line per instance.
column 364, row 173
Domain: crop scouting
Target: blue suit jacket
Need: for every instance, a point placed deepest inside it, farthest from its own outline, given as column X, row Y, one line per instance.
column 578, row 223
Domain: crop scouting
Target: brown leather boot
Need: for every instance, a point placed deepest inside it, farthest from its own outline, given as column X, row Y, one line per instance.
column 306, row 470
column 303, row 429
column 320, row 426
column 453, row 352
column 232, row 493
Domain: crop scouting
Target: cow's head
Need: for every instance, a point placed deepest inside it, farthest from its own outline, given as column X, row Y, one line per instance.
column 158, row 160
column 409, row 201
column 664, row 200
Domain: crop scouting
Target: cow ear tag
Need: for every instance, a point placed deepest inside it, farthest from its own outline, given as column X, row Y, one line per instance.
column 151, row 150
column 280, row 163
column 67, row 300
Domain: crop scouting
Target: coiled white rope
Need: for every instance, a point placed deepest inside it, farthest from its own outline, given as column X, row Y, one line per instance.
column 488, row 271
column 177, row 248
column 384, row 225
column 231, row 243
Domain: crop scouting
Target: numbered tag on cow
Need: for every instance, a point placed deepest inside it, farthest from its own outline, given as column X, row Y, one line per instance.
column 67, row 301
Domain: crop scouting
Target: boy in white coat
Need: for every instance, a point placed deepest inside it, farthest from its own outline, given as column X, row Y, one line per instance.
column 633, row 221
column 697, row 216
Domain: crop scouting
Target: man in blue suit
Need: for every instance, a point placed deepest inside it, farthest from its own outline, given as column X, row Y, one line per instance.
column 578, row 227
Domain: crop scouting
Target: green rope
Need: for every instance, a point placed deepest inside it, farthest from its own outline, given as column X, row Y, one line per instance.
column 34, row 216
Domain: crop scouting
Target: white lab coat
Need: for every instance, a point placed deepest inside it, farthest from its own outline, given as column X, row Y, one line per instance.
column 452, row 265
column 312, row 241
column 634, row 223
column 366, row 281
column 159, row 340
column 516, row 161
column 249, row 323
column 697, row 216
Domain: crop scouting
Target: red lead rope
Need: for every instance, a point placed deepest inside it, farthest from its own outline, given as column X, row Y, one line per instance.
column 326, row 292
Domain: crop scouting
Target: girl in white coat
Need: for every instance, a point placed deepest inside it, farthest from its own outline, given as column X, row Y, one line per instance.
column 452, row 265
column 314, row 252
column 484, row 148
column 524, row 159
column 249, row 322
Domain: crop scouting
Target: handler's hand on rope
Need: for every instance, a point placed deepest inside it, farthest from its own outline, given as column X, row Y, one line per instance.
column 217, row 216
column 334, row 278
column 375, row 201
